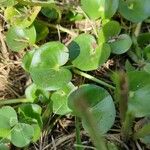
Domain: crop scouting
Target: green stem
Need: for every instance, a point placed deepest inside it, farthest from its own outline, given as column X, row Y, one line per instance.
column 13, row 101
column 58, row 27
column 127, row 126
column 93, row 79
column 78, row 136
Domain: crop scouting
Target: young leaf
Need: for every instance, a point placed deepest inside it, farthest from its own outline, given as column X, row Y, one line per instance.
column 31, row 113
column 90, row 56
column 18, row 38
column 33, row 93
column 21, row 16
column 22, row 134
column 100, row 8
column 60, row 98
column 109, row 30
column 47, row 66
column 121, row 45
column 134, row 10
column 8, row 119
column 98, row 101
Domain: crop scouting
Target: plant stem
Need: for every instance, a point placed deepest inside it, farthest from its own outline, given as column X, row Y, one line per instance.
column 93, row 79
column 127, row 126
column 78, row 138
column 13, row 101
column 58, row 27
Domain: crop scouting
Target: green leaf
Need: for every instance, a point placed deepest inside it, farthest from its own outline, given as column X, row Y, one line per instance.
column 100, row 8
column 146, row 68
column 22, row 134
column 138, row 79
column 6, row 3
column 47, row 66
column 37, row 132
column 139, row 87
column 90, row 55
column 31, row 113
column 21, row 16
column 8, row 119
column 60, row 99
column 26, row 60
column 134, row 10
column 98, row 101
column 41, row 31
column 139, row 102
column 3, row 147
column 33, row 94
column 109, row 30
column 17, row 38
column 121, row 45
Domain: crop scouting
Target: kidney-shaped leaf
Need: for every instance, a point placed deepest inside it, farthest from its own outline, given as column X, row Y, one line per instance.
column 100, row 8
column 18, row 38
column 22, row 134
column 90, row 56
column 135, row 10
column 121, row 45
column 47, row 66
column 98, row 101
column 60, row 99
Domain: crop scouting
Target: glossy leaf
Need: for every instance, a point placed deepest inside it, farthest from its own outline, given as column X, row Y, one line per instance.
column 17, row 38
column 134, row 10
column 22, row 134
column 26, row 60
column 109, row 30
column 99, row 8
column 60, row 99
column 98, row 101
column 89, row 56
column 121, row 45
column 22, row 16
column 47, row 66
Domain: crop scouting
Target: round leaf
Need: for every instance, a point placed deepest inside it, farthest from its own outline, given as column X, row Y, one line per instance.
column 22, row 134
column 60, row 99
column 109, row 29
column 17, row 38
column 121, row 45
column 100, row 8
column 47, row 66
column 134, row 10
column 8, row 117
column 98, row 101
column 90, row 56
